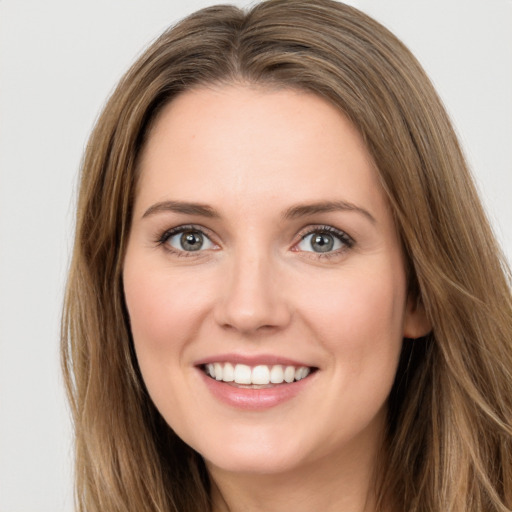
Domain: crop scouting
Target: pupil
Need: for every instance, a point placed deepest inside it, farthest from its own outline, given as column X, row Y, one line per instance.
column 322, row 243
column 191, row 241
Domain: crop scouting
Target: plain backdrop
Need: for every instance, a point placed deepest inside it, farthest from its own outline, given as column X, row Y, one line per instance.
column 59, row 60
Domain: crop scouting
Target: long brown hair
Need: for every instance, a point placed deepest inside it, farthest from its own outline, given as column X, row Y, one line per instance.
column 449, row 440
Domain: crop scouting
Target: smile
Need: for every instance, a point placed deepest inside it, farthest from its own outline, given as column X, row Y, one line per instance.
column 255, row 383
column 259, row 375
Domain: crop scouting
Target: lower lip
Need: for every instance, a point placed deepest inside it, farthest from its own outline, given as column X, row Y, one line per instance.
column 254, row 399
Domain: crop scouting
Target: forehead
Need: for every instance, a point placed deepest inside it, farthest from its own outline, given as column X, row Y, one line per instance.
column 254, row 144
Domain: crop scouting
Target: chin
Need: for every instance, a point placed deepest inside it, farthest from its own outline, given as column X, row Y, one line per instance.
column 258, row 464
column 256, row 454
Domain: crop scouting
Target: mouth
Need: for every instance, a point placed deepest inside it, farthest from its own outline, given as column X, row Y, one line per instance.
column 259, row 376
column 256, row 382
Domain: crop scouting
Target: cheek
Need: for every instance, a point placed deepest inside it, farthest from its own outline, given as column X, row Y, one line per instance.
column 360, row 324
column 360, row 302
column 360, row 316
column 165, row 310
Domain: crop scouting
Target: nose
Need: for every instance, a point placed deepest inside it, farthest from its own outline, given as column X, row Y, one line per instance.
column 253, row 299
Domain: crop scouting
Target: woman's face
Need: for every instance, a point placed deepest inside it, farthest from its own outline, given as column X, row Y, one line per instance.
column 262, row 250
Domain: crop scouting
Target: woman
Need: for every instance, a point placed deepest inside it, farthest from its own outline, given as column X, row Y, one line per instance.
column 284, row 291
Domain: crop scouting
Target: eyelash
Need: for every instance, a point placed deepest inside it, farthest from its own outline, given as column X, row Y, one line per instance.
column 167, row 235
column 346, row 241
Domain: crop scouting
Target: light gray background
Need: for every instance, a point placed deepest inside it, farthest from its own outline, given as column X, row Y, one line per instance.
column 58, row 62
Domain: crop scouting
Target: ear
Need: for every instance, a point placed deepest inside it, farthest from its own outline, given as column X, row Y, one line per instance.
column 416, row 323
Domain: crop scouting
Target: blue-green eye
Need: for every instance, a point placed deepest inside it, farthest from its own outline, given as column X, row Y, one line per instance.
column 324, row 241
column 188, row 240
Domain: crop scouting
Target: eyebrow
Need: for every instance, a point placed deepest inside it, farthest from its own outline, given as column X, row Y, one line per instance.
column 305, row 210
column 294, row 212
column 202, row 210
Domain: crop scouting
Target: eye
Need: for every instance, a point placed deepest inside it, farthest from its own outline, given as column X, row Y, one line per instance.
column 325, row 240
column 187, row 239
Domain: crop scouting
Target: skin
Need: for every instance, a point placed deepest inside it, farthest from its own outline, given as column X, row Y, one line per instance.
column 257, row 286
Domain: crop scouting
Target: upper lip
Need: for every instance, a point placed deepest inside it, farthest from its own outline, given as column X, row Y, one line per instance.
column 251, row 360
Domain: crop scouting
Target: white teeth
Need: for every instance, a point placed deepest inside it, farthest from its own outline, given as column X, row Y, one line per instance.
column 301, row 373
column 258, row 375
column 243, row 374
column 218, row 371
column 289, row 374
column 277, row 374
column 228, row 373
